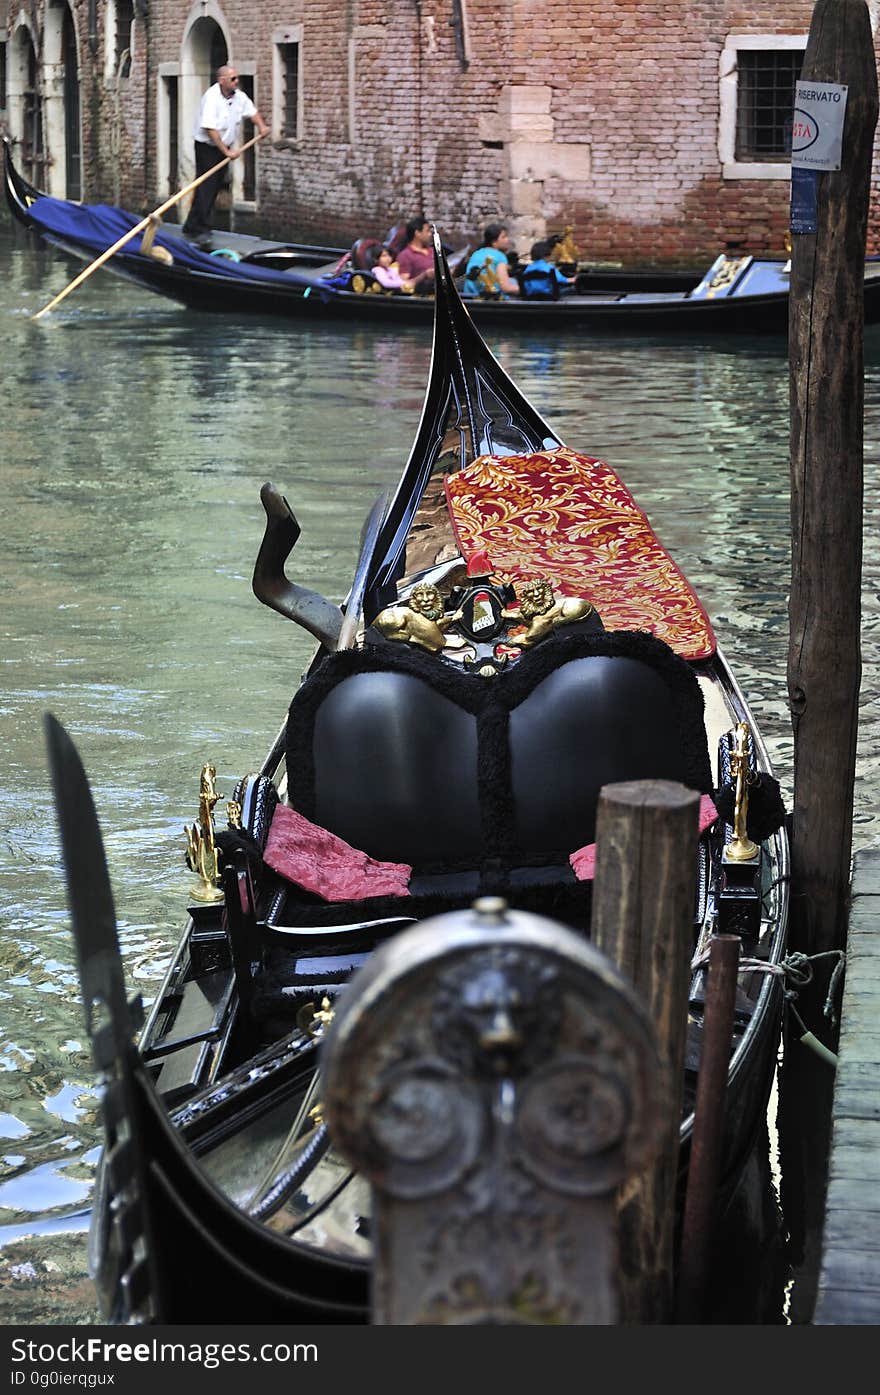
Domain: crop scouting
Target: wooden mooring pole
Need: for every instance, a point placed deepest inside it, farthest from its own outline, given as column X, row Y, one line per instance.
column 642, row 919
column 826, row 356
column 826, row 333
column 703, row 1173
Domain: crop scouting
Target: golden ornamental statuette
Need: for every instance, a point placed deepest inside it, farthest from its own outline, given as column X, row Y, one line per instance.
column 201, row 851
column 420, row 620
column 315, row 1021
column 741, row 848
column 542, row 612
column 565, row 249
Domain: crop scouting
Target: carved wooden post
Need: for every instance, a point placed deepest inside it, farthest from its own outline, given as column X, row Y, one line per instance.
column 496, row 1080
column 643, row 910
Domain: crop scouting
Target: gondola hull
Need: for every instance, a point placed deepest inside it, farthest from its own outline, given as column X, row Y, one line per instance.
column 637, row 302
column 209, row 1120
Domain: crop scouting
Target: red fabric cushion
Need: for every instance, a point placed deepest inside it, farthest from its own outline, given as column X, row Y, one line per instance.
column 568, row 517
column 318, row 861
column 583, row 862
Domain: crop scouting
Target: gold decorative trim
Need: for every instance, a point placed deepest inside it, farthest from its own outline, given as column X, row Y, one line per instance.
column 201, row 851
column 741, row 848
column 420, row 620
column 542, row 611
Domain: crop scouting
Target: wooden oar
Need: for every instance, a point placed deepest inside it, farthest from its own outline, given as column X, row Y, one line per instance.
column 139, row 227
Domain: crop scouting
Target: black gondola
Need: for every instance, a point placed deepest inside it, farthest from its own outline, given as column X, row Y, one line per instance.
column 739, row 294
column 452, row 733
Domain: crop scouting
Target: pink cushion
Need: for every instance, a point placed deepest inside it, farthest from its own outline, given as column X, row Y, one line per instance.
column 318, row 861
column 583, row 862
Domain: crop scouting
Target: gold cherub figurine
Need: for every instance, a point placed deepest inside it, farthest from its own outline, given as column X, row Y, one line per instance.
column 421, row 620
column 542, row 612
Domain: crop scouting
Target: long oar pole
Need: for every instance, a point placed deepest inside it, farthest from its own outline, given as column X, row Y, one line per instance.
column 139, row 227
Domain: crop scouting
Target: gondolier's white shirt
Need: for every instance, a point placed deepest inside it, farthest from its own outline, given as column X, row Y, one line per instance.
column 223, row 114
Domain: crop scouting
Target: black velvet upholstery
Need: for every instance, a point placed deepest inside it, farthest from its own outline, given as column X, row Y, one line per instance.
column 415, row 761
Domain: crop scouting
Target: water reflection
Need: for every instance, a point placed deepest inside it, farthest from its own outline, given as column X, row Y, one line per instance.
column 135, row 438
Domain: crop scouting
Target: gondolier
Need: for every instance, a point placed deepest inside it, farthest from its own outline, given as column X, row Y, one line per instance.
column 217, row 133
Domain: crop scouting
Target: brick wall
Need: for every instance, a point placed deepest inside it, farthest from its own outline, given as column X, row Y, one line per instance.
column 599, row 113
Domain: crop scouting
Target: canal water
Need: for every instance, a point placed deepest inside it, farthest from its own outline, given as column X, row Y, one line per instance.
column 134, row 438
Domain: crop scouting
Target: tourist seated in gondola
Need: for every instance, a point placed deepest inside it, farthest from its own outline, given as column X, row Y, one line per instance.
column 541, row 279
column 416, row 260
column 387, row 273
column 488, row 270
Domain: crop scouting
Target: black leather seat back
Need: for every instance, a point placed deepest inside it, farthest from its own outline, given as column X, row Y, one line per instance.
column 413, row 761
column 592, row 722
column 396, row 769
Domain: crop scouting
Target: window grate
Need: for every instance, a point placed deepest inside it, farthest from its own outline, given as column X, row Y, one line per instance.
column 249, row 160
column 765, row 102
column 124, row 21
column 290, row 74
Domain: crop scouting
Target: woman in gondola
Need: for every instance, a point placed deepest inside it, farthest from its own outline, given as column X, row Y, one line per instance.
column 488, row 270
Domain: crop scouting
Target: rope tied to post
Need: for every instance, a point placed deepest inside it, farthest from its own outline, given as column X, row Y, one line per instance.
column 797, row 969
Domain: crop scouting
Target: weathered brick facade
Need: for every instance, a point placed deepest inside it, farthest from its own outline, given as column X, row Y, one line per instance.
column 600, row 113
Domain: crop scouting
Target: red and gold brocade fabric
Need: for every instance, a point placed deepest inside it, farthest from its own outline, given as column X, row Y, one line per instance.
column 568, row 518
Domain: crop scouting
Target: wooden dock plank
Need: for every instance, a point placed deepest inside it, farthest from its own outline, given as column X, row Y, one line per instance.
column 849, row 1282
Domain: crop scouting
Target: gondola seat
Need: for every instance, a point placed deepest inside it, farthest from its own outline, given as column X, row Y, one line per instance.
column 469, row 785
column 414, row 761
column 560, row 514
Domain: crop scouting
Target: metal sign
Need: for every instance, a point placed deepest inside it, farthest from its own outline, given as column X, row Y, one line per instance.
column 804, row 215
column 817, row 126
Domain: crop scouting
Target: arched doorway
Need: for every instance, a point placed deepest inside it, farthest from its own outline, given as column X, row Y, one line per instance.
column 205, row 49
column 61, row 103
column 72, row 144
column 26, row 106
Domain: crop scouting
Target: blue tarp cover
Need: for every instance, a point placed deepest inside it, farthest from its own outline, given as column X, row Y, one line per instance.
column 97, row 226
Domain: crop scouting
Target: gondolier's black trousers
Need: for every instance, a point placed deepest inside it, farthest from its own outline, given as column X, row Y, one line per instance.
column 198, row 220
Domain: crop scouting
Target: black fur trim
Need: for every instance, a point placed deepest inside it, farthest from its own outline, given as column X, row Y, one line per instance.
column 766, row 813
column 233, row 840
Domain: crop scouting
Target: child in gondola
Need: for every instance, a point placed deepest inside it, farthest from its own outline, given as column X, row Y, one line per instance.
column 387, row 273
column 541, row 279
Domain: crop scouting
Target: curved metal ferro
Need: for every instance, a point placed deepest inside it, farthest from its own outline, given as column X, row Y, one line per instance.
column 306, row 608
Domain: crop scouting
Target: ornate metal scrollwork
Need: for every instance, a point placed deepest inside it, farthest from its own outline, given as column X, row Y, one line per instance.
column 495, row 1080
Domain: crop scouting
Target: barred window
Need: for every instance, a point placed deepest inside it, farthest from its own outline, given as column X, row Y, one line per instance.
column 248, row 162
column 765, row 102
column 124, row 21
column 289, row 55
